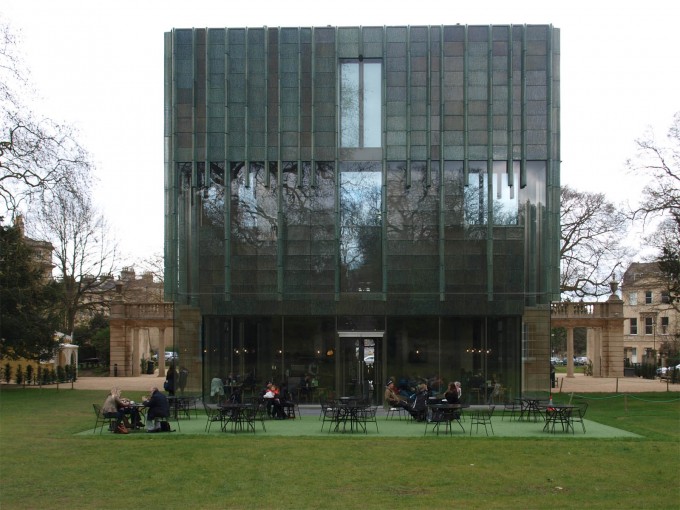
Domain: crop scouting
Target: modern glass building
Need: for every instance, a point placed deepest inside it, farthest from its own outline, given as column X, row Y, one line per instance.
column 352, row 204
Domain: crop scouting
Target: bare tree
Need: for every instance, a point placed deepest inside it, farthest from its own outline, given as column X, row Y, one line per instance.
column 85, row 256
column 36, row 154
column 591, row 251
column 661, row 200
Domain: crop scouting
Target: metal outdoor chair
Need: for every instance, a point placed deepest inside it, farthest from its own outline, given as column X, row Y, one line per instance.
column 393, row 411
column 329, row 412
column 482, row 417
column 101, row 420
column 213, row 414
column 368, row 415
column 578, row 414
column 512, row 408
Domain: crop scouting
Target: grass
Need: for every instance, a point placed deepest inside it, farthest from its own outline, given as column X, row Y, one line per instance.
column 48, row 462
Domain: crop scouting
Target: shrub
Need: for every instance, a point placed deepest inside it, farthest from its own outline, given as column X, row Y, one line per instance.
column 8, row 373
column 20, row 374
column 29, row 374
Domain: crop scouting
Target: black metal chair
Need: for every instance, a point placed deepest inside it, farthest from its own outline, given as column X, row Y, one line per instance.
column 482, row 417
column 212, row 412
column 101, row 419
column 577, row 416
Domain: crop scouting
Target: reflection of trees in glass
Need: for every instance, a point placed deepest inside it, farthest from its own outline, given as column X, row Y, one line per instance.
column 253, row 205
column 360, row 104
column 412, row 212
column 505, row 202
column 360, row 226
column 308, row 213
column 475, row 196
column 349, row 104
column 213, row 196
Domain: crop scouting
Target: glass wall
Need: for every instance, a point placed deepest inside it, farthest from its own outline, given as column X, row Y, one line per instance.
column 314, row 357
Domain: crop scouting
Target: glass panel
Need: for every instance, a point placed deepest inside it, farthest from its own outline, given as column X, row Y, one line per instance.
column 505, row 200
column 308, row 348
column 372, row 104
column 360, row 104
column 476, row 193
column 412, row 229
column 254, row 229
column 349, row 104
column 361, row 227
column 309, row 223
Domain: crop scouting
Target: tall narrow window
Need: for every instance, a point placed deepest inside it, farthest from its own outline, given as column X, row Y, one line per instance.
column 649, row 326
column 360, row 227
column 648, row 297
column 476, row 194
column 633, row 327
column 360, row 104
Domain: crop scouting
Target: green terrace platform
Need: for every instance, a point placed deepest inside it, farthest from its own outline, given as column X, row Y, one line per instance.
column 309, row 424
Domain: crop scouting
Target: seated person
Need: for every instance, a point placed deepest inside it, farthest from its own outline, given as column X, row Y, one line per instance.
column 392, row 398
column 274, row 404
column 452, row 394
column 114, row 407
column 158, row 408
column 418, row 409
column 216, row 389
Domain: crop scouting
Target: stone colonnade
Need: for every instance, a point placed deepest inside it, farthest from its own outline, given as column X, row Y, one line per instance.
column 604, row 322
column 131, row 327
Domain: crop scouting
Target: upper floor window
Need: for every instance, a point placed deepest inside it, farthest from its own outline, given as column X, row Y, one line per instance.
column 649, row 325
column 632, row 298
column 664, row 325
column 648, row 297
column 360, row 104
column 665, row 297
column 633, row 327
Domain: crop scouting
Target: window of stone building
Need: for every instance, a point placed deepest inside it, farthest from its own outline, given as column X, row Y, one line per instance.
column 649, row 325
column 648, row 297
column 632, row 298
column 633, row 327
column 360, row 104
column 664, row 325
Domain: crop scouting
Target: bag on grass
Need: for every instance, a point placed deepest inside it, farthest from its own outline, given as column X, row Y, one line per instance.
column 165, row 426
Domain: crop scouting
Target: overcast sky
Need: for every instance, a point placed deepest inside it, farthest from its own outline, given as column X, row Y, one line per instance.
column 99, row 66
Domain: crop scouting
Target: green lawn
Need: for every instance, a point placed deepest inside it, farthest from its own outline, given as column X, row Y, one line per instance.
column 48, row 462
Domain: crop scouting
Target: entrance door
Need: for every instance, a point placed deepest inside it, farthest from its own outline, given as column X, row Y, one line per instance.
column 360, row 365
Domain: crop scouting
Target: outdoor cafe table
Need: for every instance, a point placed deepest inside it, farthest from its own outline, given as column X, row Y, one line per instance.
column 439, row 412
column 558, row 413
column 349, row 410
column 239, row 416
column 136, row 408
column 531, row 407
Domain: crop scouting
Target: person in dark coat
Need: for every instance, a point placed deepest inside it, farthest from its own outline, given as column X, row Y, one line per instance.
column 158, row 408
column 418, row 409
column 170, row 377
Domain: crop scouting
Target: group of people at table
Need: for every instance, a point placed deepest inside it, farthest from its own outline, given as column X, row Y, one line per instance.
column 416, row 406
column 128, row 414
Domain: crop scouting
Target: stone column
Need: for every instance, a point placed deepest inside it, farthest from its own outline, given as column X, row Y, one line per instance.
column 136, row 360
column 161, row 352
column 595, row 349
column 570, row 352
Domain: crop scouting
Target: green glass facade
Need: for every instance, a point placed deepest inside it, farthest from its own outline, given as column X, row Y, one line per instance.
column 351, row 204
